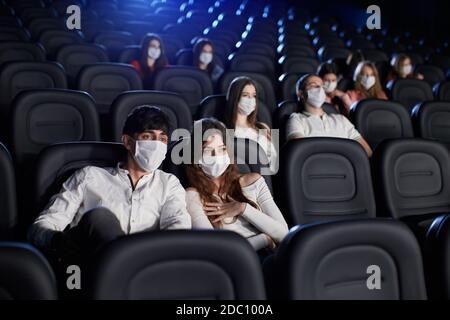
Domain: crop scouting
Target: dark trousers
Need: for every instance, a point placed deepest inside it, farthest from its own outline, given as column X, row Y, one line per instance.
column 96, row 228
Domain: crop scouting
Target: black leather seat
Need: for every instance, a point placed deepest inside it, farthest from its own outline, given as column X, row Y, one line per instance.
column 432, row 74
column 191, row 83
column 53, row 39
column 74, row 56
column 442, row 91
column 105, row 81
column 56, row 163
column 431, row 121
column 20, row 51
column 178, row 265
column 25, row 274
column 410, row 92
column 328, row 52
column 378, row 120
column 19, row 76
column 14, row 34
column 411, row 177
column 298, row 64
column 256, row 63
column 173, row 105
column 43, row 117
column 115, row 41
column 325, row 179
column 335, row 260
column 8, row 203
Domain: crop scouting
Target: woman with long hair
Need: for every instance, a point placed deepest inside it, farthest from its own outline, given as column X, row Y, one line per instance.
column 222, row 198
column 328, row 73
column 203, row 58
column 402, row 68
column 241, row 114
column 151, row 60
column 367, row 85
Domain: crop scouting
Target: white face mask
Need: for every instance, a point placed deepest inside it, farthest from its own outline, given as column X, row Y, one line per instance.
column 214, row 166
column 206, row 57
column 368, row 81
column 406, row 69
column 149, row 154
column 246, row 105
column 316, row 97
column 154, row 53
column 329, row 86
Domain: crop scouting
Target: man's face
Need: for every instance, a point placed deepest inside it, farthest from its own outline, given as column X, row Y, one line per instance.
column 130, row 142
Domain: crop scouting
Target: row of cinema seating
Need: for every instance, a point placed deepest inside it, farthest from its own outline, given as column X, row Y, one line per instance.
column 299, row 51
column 57, row 86
column 324, row 180
column 42, row 117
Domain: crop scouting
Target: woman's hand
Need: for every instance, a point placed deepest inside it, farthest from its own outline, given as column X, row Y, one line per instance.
column 230, row 209
column 271, row 245
column 338, row 93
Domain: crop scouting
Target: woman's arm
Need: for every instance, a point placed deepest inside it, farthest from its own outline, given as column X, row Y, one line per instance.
column 195, row 208
column 269, row 219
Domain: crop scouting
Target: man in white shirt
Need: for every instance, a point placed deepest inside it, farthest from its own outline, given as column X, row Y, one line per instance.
column 97, row 205
column 313, row 121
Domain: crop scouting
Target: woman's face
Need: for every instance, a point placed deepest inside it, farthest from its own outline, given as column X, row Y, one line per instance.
column 214, row 146
column 207, row 49
column 405, row 62
column 249, row 91
column 314, row 82
column 154, row 44
column 330, row 77
column 366, row 71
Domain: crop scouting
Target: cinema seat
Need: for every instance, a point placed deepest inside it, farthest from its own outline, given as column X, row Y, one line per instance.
column 105, row 81
column 431, row 121
column 190, row 83
column 178, row 265
column 8, row 202
column 325, row 179
column 25, row 274
column 378, row 120
column 172, row 104
column 336, row 260
column 74, row 56
column 20, row 51
column 410, row 92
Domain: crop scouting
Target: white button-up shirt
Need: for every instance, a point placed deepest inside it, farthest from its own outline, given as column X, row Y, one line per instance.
column 157, row 202
column 307, row 125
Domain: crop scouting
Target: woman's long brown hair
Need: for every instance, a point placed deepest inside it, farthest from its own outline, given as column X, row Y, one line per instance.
column 376, row 90
column 233, row 96
column 200, row 181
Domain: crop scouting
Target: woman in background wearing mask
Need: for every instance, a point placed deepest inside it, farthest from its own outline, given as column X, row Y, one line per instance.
column 367, row 85
column 328, row 73
column 203, row 58
column 152, row 59
column 241, row 113
column 313, row 121
column 221, row 198
column 402, row 68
